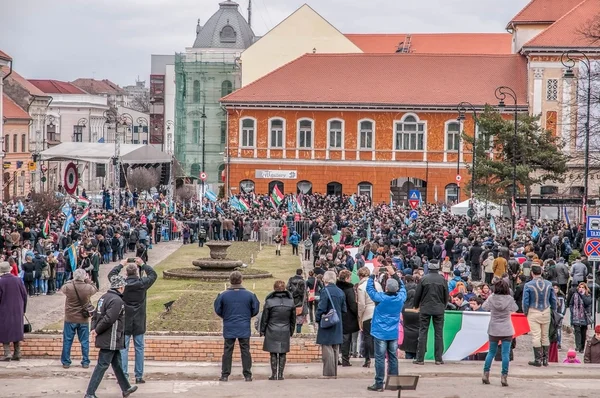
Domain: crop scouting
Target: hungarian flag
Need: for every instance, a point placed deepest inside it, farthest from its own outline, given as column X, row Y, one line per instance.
column 272, row 202
column 83, row 202
column 298, row 205
column 277, row 195
column 465, row 333
column 46, row 228
column 83, row 216
column 244, row 205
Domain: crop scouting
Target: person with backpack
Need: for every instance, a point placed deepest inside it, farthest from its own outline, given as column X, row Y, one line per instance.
column 313, row 286
column 201, row 236
column 294, row 241
column 297, row 286
column 307, row 249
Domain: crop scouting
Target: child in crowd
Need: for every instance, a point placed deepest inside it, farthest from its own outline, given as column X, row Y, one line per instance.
column 571, row 357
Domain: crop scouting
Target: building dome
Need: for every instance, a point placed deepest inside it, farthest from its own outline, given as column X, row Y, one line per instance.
column 227, row 28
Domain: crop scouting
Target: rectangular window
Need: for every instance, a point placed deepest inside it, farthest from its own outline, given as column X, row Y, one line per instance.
column 366, row 135
column 77, row 133
column 335, row 134
column 6, row 143
column 52, row 136
column 195, row 131
column 23, row 143
column 277, row 134
column 15, row 143
column 223, row 132
column 551, row 89
column 453, row 136
column 248, row 133
column 410, row 136
column 305, row 134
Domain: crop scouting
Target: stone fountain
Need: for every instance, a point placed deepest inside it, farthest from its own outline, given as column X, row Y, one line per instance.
column 217, row 267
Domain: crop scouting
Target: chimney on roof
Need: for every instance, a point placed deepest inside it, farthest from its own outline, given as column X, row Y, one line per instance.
column 404, row 47
column 198, row 27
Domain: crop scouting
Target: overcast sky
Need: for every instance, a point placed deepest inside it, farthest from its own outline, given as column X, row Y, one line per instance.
column 113, row 39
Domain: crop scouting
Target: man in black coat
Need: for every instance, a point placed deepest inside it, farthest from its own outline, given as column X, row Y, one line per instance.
column 134, row 298
column 107, row 326
column 350, row 317
column 431, row 298
column 474, row 260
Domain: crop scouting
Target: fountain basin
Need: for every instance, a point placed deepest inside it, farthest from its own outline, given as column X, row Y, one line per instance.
column 208, row 264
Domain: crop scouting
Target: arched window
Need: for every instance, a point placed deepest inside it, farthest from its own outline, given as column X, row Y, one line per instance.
column 247, row 186
column 365, row 188
column 6, row 144
column 452, row 136
column 276, row 128
column 410, row 134
column 366, row 134
column 226, row 88
column 277, row 183
column 305, row 130
column 334, row 188
column 304, row 187
column 23, row 143
column 195, row 170
column 196, row 91
column 248, row 132
column 451, row 193
column 336, row 134
column 15, row 143
column 228, row 34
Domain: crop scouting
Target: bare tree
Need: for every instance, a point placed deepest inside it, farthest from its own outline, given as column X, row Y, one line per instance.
column 185, row 192
column 143, row 179
column 141, row 102
column 43, row 203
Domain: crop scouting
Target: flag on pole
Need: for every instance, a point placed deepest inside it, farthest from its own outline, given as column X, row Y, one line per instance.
column 352, row 201
column 83, row 216
column 83, row 202
column 235, row 203
column 210, row 195
column 20, row 208
column 221, row 212
column 272, row 202
column 277, row 195
column 299, row 208
column 567, row 217
column 391, row 199
column 535, row 232
column 46, row 227
column 244, row 206
column 71, row 252
column 68, row 221
column 66, row 209
column 493, row 225
column 290, row 205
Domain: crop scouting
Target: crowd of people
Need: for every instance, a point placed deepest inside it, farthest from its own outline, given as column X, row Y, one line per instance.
column 377, row 278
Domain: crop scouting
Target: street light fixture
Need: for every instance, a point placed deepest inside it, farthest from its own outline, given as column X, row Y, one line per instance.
column 569, row 60
column 142, row 122
column 501, row 93
column 462, row 108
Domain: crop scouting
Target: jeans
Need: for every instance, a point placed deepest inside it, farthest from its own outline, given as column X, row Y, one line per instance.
column 294, row 250
column 383, row 347
column 83, row 335
column 306, row 254
column 492, row 353
column 312, row 310
column 106, row 358
column 228, row 354
column 43, row 286
column 38, row 285
column 60, row 276
column 298, row 328
column 138, row 342
column 438, row 327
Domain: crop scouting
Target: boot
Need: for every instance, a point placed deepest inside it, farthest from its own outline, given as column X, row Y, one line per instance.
column 282, row 359
column 504, row 380
column 545, row 352
column 486, row 378
column 273, row 367
column 17, row 355
column 537, row 355
column 6, row 356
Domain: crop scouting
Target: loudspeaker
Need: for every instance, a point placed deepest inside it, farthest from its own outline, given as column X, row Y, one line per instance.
column 100, row 170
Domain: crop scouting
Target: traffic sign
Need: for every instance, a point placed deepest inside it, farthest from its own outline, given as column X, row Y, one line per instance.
column 414, row 198
column 458, row 178
column 592, row 249
column 32, row 166
column 592, row 227
column 203, row 176
column 413, row 214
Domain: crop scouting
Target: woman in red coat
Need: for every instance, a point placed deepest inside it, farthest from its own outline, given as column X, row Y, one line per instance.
column 284, row 233
column 14, row 268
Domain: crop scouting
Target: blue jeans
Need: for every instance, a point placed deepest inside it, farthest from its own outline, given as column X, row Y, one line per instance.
column 60, row 276
column 138, row 342
column 44, row 286
column 492, row 354
column 383, row 347
column 83, row 335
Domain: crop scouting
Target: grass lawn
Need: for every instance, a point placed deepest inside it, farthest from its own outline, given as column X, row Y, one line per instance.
column 193, row 308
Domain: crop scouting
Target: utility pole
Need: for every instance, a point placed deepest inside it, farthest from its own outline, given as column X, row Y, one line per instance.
column 203, row 143
column 250, row 13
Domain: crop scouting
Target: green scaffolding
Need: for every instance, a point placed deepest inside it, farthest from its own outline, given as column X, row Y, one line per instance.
column 201, row 80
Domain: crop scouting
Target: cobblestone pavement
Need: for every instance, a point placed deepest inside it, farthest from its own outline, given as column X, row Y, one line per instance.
column 46, row 310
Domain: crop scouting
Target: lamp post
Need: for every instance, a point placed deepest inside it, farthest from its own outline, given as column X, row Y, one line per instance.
column 78, row 130
column 39, row 147
column 203, row 143
column 569, row 59
column 501, row 93
column 142, row 122
column 462, row 108
column 169, row 124
column 126, row 121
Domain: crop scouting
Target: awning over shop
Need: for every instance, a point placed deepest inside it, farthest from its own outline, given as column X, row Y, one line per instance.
column 103, row 153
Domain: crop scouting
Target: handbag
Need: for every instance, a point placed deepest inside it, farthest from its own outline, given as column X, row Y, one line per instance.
column 87, row 310
column 331, row 318
column 27, row 326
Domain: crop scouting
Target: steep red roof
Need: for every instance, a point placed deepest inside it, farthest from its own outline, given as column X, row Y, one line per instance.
column 543, row 11
column 5, row 56
column 56, row 87
column 388, row 79
column 11, row 110
column 94, row 86
column 435, row 43
column 565, row 33
column 33, row 90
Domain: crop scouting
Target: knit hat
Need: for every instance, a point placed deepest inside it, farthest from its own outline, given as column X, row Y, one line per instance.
column 434, row 265
column 4, row 267
column 597, row 329
column 117, row 281
column 457, row 272
column 571, row 353
column 392, row 286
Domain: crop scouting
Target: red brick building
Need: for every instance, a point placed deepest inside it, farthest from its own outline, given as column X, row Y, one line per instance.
column 363, row 123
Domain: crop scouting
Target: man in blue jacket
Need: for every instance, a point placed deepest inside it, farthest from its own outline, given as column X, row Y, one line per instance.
column 236, row 306
column 384, row 326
